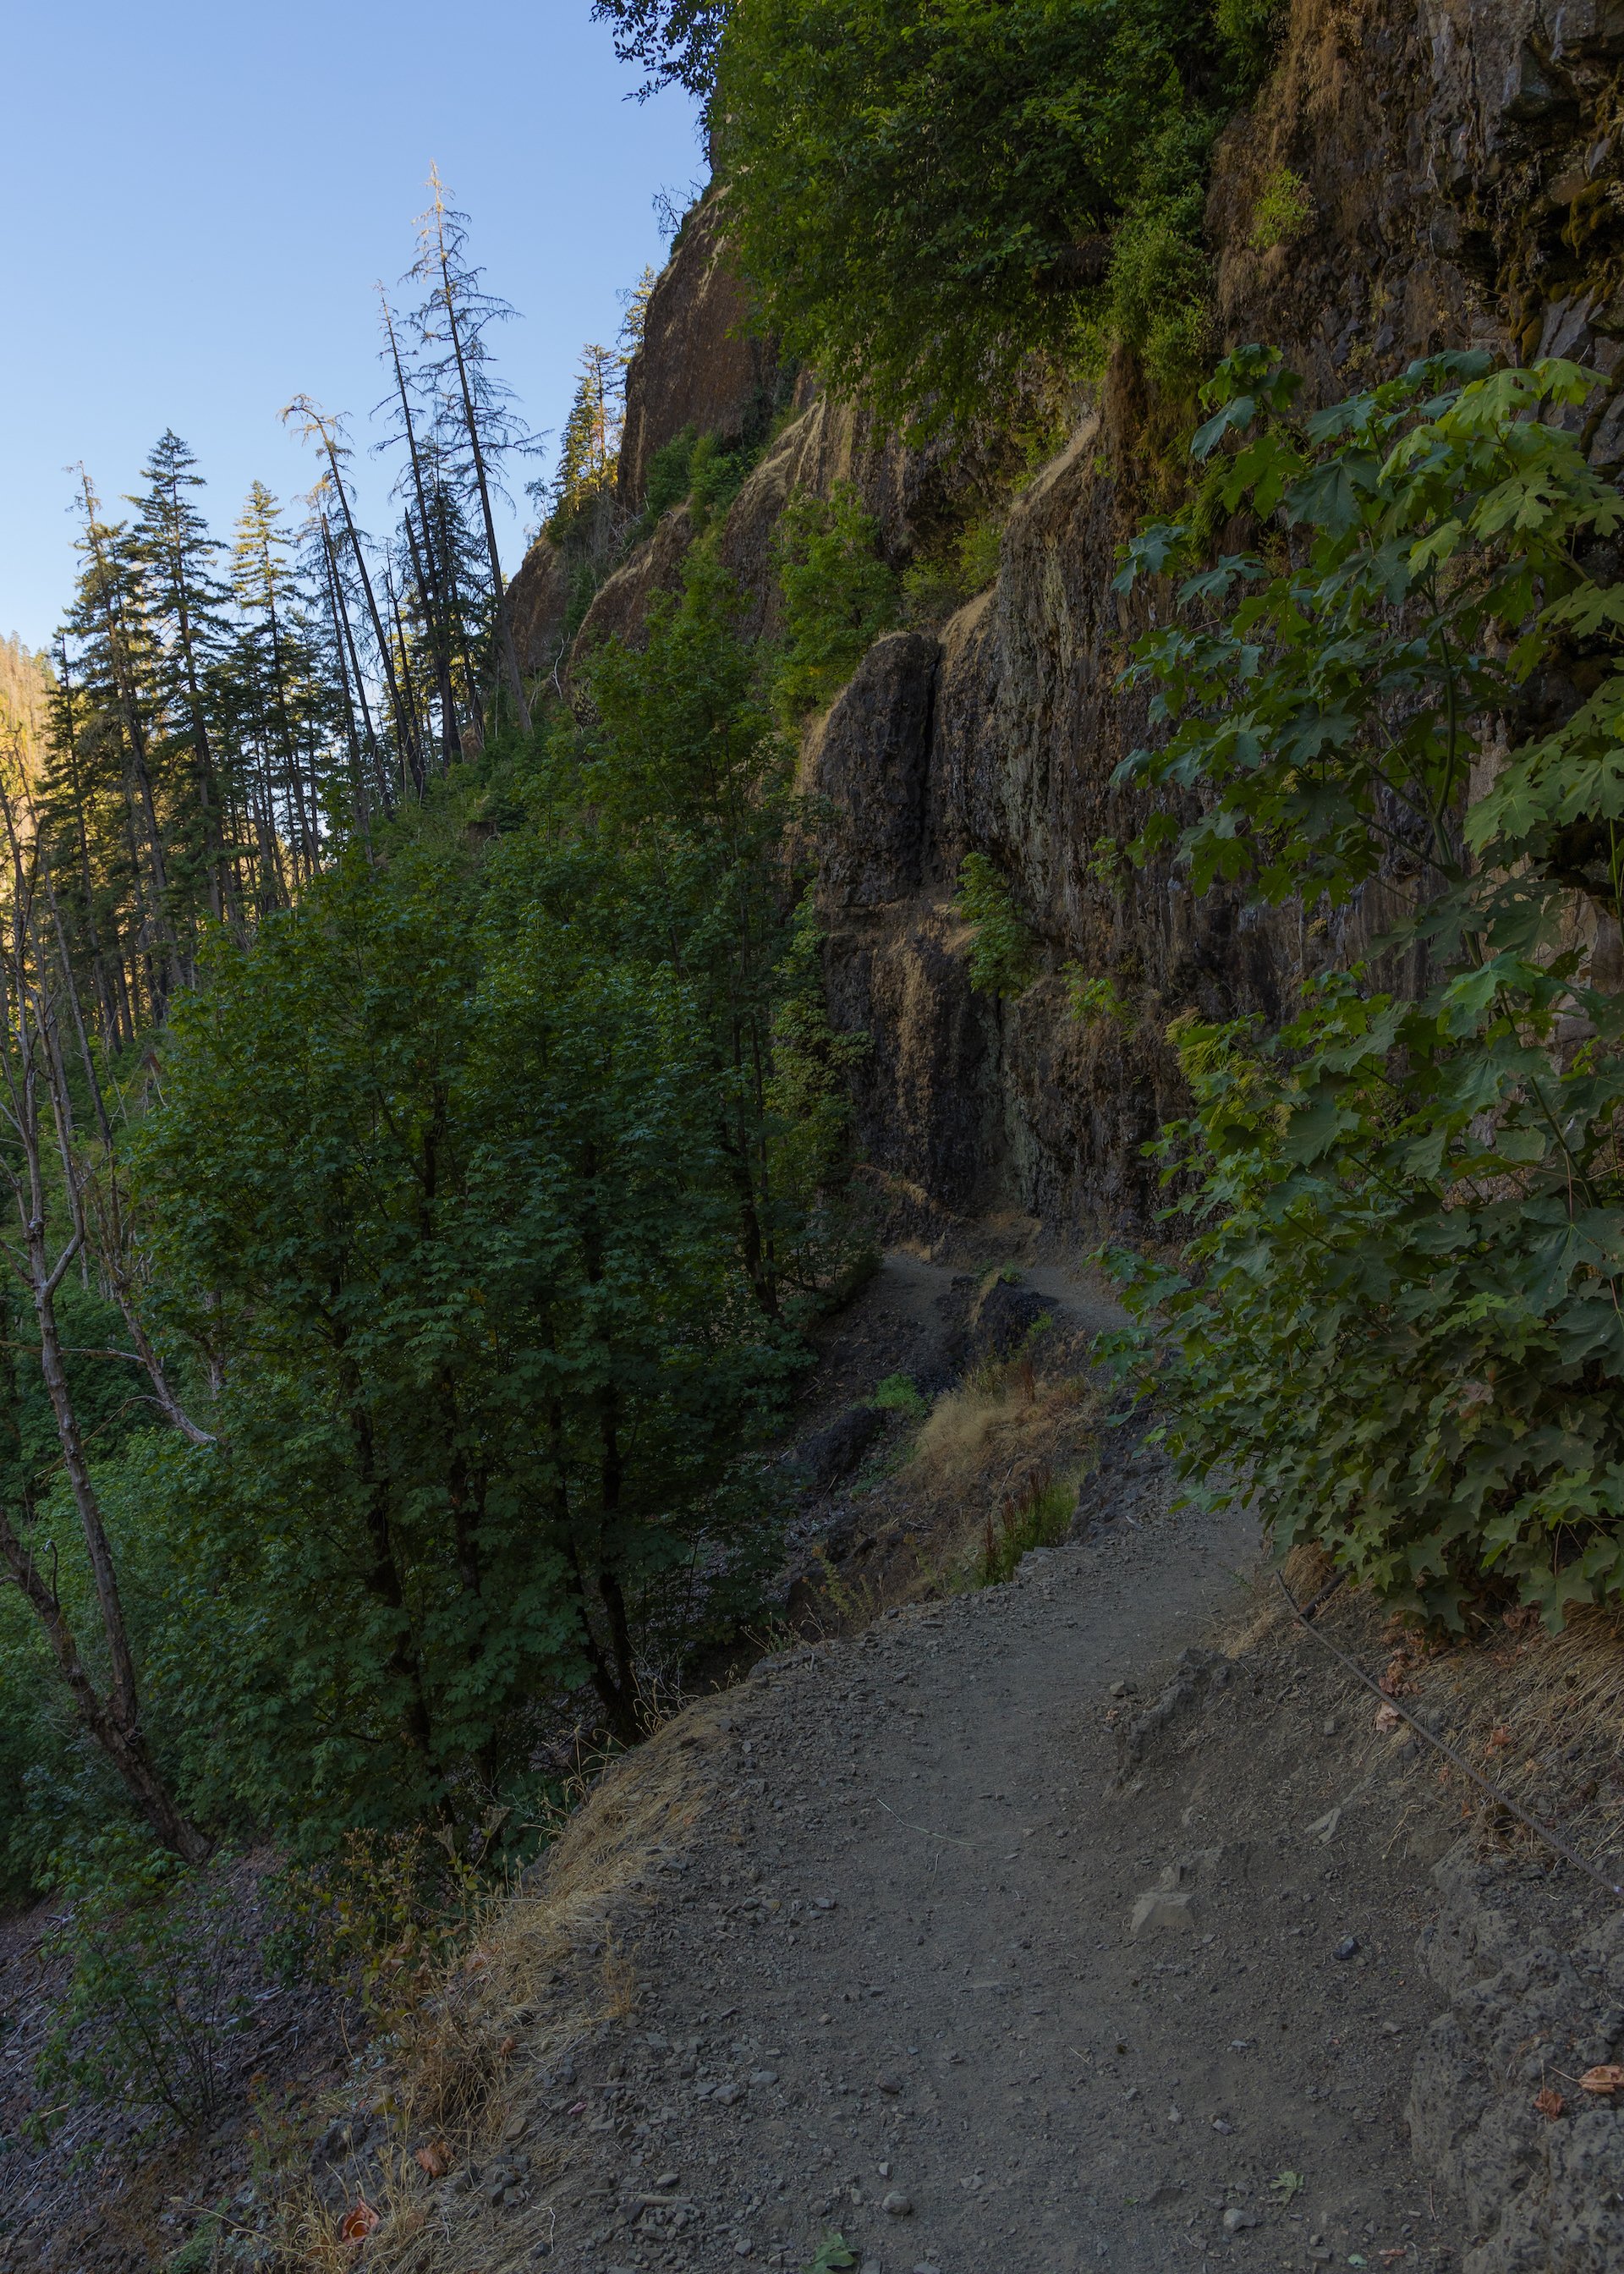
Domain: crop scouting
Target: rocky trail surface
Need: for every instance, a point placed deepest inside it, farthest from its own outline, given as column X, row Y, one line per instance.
column 1090, row 1921
column 978, row 1965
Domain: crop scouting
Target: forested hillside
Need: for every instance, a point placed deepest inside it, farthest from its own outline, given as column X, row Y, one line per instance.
column 1068, row 675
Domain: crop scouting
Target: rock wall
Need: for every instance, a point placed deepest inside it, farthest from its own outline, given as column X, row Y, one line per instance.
column 1464, row 173
column 703, row 365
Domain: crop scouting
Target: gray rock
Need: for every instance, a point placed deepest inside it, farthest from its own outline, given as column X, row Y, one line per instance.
column 1162, row 1910
column 897, row 2205
column 869, row 759
column 834, row 1451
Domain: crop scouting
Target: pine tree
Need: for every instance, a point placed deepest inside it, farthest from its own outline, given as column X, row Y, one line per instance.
column 186, row 601
column 590, row 451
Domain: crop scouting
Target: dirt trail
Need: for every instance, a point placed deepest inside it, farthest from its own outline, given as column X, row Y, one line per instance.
column 889, row 1982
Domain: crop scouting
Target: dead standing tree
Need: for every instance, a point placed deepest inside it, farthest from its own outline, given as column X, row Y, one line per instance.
column 48, row 1235
column 451, row 324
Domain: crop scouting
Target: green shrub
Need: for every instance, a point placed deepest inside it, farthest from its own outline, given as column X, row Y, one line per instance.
column 149, row 2011
column 670, row 476
column 1038, row 1515
column 1284, row 211
column 1002, row 952
column 924, row 191
column 899, row 1393
column 1397, row 1323
column 1091, row 998
column 840, row 595
column 978, row 553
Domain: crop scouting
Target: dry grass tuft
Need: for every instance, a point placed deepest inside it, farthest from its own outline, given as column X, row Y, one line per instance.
column 545, row 1966
column 1541, row 1715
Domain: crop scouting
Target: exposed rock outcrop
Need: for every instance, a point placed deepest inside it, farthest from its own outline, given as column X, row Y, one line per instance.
column 702, row 363
column 1460, row 182
column 538, row 609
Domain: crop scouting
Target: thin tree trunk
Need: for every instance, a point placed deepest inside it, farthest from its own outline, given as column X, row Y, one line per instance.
column 504, row 626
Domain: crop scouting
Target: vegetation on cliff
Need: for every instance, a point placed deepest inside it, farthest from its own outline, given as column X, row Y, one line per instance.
column 925, row 197
column 1398, row 1320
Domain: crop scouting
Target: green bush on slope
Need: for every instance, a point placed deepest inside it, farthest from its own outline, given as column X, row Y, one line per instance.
column 927, row 192
column 1398, row 1318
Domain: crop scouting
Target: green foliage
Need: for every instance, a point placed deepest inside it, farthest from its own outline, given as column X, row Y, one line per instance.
column 375, row 1919
column 808, row 1100
column 1398, row 1322
column 451, row 1177
column 670, row 475
column 1159, row 280
column 1039, row 1514
column 978, row 553
column 149, row 2015
column 1284, row 211
column 1250, row 29
column 832, row 2254
column 926, row 194
column 697, row 469
column 899, row 1393
column 196, row 2254
column 839, row 593
column 1002, row 951
column 1090, row 999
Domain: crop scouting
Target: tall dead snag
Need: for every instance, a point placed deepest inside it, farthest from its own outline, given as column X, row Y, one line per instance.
column 315, row 421
column 49, row 1234
column 453, row 320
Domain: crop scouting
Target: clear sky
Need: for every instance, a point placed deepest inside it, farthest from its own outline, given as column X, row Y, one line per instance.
column 202, row 195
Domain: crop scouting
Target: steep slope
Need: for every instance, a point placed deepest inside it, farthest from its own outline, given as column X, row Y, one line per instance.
column 1455, row 181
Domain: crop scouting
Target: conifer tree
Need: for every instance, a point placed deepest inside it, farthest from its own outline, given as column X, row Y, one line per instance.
column 186, row 601
column 590, row 451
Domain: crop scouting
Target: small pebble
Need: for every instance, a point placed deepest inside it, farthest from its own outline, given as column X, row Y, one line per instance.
column 1220, row 2125
column 897, row 2205
column 1347, row 1947
column 1236, row 2220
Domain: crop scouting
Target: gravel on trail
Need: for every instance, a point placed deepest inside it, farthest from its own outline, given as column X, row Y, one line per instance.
column 976, row 1962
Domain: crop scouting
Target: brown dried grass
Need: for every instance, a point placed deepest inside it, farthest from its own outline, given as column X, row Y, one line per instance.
column 1541, row 1715
column 545, row 1966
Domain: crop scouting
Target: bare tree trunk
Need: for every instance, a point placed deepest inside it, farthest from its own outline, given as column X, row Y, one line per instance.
column 504, row 624
column 316, row 424
column 113, row 1721
column 436, row 601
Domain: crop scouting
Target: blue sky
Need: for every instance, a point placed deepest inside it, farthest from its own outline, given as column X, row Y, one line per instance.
column 201, row 196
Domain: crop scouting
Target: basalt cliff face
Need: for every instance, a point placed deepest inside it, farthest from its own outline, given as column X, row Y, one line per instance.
column 1465, row 165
